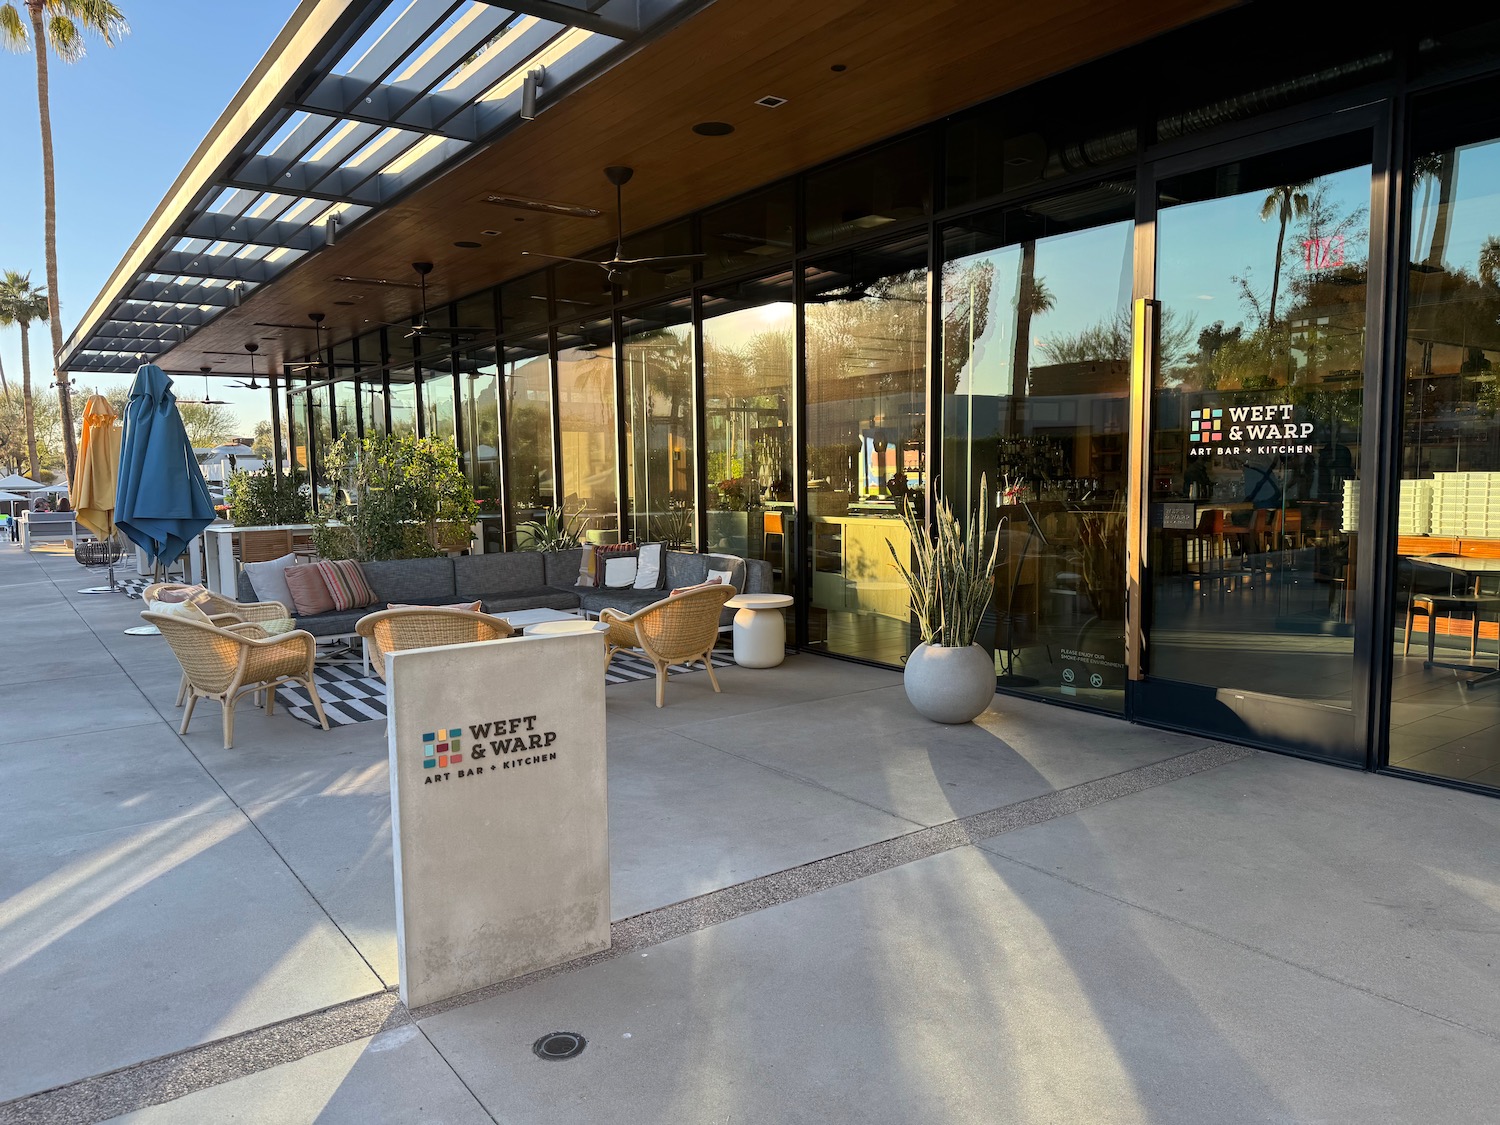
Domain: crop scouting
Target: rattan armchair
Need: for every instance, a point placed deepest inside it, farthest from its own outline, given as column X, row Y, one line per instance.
column 392, row 630
column 224, row 662
column 220, row 610
column 678, row 629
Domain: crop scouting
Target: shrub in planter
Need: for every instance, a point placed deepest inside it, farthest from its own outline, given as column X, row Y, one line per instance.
column 262, row 498
column 393, row 497
column 948, row 677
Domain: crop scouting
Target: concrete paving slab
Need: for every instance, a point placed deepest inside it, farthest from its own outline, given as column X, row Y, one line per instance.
column 394, row 1077
column 76, row 706
column 688, row 819
column 58, row 787
column 279, row 757
column 875, row 748
column 339, row 845
column 123, row 945
column 690, row 698
column 963, row 988
column 1371, row 880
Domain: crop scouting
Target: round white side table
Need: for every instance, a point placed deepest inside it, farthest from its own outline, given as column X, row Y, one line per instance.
column 759, row 629
column 563, row 628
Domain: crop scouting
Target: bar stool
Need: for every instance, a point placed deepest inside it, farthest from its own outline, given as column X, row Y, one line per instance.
column 773, row 528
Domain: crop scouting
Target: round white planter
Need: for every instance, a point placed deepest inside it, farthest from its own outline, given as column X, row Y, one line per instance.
column 950, row 685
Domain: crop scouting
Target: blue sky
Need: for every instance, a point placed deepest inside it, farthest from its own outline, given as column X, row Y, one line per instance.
column 125, row 120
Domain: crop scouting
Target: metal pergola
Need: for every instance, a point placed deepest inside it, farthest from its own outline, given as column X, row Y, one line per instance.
column 357, row 103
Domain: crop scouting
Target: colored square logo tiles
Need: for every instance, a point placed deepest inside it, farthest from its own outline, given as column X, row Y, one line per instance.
column 442, row 748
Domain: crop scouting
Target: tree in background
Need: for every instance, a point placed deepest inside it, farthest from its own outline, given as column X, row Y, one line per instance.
column 16, row 422
column 62, row 25
column 262, row 442
column 20, row 304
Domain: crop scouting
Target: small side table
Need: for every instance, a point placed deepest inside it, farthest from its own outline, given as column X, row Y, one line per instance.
column 562, row 628
column 759, row 629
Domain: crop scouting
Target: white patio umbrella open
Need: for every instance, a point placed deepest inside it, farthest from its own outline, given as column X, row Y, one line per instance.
column 17, row 483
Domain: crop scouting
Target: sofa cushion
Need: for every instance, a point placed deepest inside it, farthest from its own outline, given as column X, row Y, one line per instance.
column 309, row 590
column 728, row 568
column 334, row 624
column 685, row 569
column 266, row 581
column 411, row 580
column 626, row 601
column 534, row 597
column 346, row 583
column 758, row 577
column 480, row 576
column 562, row 567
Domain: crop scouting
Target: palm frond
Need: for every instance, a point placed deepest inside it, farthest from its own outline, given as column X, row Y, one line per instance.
column 13, row 33
column 102, row 17
column 65, row 40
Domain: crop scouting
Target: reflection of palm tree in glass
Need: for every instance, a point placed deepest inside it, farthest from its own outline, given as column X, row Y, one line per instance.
column 1032, row 299
column 1286, row 202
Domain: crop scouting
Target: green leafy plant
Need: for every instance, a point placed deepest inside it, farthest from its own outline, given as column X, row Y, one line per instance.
column 553, row 532
column 951, row 573
column 264, row 498
column 393, row 497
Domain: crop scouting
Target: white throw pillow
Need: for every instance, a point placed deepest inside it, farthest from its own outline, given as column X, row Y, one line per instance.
column 619, row 573
column 188, row 610
column 269, row 579
column 648, row 574
column 724, row 576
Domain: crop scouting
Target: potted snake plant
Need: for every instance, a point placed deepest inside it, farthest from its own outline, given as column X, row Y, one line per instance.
column 949, row 678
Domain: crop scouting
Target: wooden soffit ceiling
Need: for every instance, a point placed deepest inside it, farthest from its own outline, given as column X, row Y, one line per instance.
column 907, row 62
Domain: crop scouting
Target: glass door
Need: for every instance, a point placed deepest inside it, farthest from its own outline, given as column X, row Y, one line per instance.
column 1254, row 410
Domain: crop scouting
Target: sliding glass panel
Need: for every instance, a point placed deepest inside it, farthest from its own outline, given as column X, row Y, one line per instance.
column 660, row 461
column 480, row 379
column 321, row 422
column 438, row 414
column 586, row 425
column 865, row 320
column 372, row 404
column 403, row 395
column 1445, row 707
column 1261, row 273
column 346, row 409
column 528, row 430
column 748, row 357
column 1036, row 405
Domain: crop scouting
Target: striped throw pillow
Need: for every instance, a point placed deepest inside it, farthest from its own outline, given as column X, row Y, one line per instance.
column 346, row 584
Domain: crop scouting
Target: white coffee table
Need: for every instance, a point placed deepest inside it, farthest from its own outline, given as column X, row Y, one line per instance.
column 565, row 628
column 759, row 629
column 525, row 620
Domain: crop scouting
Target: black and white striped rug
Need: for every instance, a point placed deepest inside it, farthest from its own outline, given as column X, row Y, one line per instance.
column 349, row 696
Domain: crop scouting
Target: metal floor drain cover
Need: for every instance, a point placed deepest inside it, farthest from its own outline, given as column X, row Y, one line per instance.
column 558, row 1045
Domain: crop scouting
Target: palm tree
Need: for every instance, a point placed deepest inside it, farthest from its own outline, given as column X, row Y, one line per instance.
column 1287, row 202
column 21, row 304
column 61, row 23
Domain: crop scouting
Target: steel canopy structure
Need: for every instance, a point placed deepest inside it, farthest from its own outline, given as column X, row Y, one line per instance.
column 355, row 104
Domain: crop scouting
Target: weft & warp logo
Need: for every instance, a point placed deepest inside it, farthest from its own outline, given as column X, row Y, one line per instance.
column 442, row 748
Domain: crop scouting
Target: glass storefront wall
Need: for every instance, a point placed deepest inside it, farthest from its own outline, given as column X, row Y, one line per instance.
column 1248, row 430
column 586, row 426
column 865, row 335
column 439, row 413
column 660, row 459
column 1445, row 698
column 527, row 413
column 1261, row 271
column 749, row 354
column 1036, row 395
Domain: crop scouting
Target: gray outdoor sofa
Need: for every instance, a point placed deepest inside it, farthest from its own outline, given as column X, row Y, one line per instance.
column 513, row 581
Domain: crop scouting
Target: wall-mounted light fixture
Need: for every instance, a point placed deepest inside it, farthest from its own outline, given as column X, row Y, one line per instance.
column 330, row 230
column 529, row 86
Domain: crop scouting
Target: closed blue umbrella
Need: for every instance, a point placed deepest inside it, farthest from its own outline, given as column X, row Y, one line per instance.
column 161, row 501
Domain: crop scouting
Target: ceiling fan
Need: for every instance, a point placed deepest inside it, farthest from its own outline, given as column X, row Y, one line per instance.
column 252, row 385
column 856, row 291
column 422, row 328
column 207, row 399
column 616, row 269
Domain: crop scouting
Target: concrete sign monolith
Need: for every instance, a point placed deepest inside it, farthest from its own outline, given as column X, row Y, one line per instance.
column 498, row 809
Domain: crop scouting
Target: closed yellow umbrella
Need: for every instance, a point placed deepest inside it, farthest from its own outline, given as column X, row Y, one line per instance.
column 97, row 467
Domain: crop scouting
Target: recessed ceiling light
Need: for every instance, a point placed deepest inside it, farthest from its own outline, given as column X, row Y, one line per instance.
column 468, row 245
column 343, row 302
column 770, row 101
column 491, row 233
column 838, row 68
column 713, row 128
